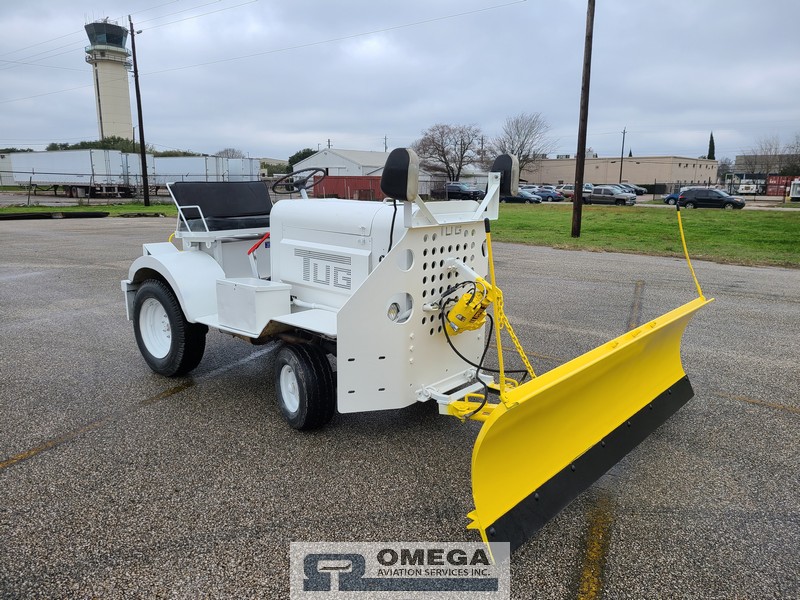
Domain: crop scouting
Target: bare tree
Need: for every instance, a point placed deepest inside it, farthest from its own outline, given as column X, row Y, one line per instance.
column 769, row 151
column 725, row 167
column 230, row 153
column 524, row 135
column 791, row 163
column 749, row 163
column 447, row 149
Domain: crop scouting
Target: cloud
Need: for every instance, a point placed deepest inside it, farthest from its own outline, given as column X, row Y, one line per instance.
column 271, row 78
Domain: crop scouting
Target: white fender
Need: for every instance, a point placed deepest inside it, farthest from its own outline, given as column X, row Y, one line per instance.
column 192, row 275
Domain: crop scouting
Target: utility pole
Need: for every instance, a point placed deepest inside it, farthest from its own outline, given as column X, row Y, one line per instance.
column 385, row 143
column 142, row 150
column 622, row 152
column 329, row 142
column 580, row 158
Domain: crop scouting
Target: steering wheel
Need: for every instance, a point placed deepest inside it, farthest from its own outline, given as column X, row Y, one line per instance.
column 292, row 183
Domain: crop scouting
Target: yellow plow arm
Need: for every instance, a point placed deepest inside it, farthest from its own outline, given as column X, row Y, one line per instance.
column 554, row 436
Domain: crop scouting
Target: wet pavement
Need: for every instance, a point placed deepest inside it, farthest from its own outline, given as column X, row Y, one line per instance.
column 116, row 482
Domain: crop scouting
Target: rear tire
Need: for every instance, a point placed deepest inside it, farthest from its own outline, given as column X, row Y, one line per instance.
column 170, row 345
column 304, row 386
column 691, row 205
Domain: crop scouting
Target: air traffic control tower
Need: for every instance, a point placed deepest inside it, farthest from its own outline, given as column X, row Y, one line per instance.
column 110, row 62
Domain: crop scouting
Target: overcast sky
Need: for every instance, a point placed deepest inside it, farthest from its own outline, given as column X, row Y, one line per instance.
column 272, row 77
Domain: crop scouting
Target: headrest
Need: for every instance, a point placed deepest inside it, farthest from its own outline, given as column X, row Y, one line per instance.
column 508, row 167
column 400, row 178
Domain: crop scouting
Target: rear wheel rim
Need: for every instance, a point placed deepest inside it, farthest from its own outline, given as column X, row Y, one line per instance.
column 290, row 392
column 155, row 328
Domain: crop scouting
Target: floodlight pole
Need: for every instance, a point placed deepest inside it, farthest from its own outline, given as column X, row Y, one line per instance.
column 580, row 157
column 622, row 152
column 142, row 150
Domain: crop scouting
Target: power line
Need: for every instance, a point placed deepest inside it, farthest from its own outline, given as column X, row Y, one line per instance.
column 339, row 39
column 277, row 50
column 120, row 18
column 77, row 44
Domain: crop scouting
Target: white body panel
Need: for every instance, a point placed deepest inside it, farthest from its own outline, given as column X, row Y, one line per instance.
column 247, row 304
column 384, row 364
column 327, row 248
column 192, row 276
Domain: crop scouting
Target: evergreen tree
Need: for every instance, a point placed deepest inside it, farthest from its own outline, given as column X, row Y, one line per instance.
column 300, row 155
column 710, row 154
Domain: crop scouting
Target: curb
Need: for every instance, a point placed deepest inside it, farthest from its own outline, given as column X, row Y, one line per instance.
column 53, row 215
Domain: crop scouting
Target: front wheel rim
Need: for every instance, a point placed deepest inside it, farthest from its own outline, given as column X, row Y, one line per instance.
column 155, row 328
column 290, row 392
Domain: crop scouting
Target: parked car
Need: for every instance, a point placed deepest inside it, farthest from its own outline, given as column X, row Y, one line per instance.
column 567, row 190
column 606, row 194
column 523, row 196
column 588, row 188
column 635, row 189
column 548, row 195
column 457, row 190
column 709, row 198
column 672, row 198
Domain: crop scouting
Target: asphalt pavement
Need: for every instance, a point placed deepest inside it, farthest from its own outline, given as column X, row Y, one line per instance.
column 116, row 482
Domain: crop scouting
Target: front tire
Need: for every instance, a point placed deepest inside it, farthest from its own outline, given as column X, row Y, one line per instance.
column 304, row 386
column 170, row 345
column 728, row 206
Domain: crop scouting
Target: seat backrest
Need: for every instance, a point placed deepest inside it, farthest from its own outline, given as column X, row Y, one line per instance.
column 508, row 167
column 400, row 177
column 223, row 198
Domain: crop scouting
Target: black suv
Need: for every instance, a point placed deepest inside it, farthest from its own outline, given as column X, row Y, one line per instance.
column 456, row 190
column 709, row 198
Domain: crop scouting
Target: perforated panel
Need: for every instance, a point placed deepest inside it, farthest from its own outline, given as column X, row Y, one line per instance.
column 436, row 277
column 385, row 362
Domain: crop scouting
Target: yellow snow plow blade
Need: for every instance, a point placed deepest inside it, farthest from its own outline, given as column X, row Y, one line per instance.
column 554, row 436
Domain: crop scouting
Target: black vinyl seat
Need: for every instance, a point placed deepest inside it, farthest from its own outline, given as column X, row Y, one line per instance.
column 222, row 205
